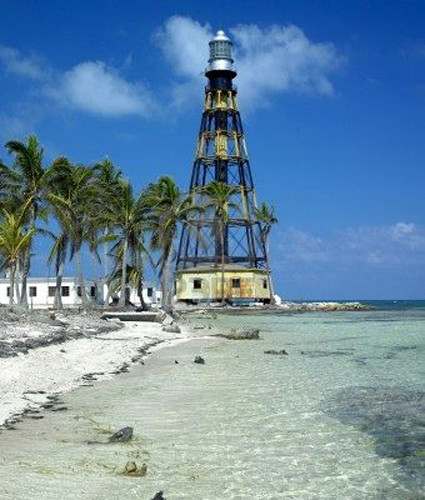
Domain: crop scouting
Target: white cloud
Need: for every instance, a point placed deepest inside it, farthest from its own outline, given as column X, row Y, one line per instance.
column 15, row 63
column 402, row 229
column 99, row 89
column 282, row 59
column 271, row 60
column 91, row 86
column 185, row 45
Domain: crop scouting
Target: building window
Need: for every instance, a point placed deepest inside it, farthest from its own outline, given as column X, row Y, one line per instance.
column 33, row 291
column 265, row 284
column 150, row 292
column 92, row 291
column 8, row 291
column 52, row 291
column 197, row 284
column 236, row 282
column 65, row 291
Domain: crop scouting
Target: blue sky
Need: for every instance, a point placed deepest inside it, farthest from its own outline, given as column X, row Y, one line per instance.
column 332, row 97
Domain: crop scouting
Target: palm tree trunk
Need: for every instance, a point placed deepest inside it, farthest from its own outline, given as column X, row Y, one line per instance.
column 222, row 262
column 108, row 295
column 163, row 290
column 105, row 255
column 23, row 299
column 166, row 284
column 58, row 292
column 17, row 291
column 12, row 283
column 105, row 267
column 264, row 240
column 140, row 294
column 121, row 301
column 80, row 275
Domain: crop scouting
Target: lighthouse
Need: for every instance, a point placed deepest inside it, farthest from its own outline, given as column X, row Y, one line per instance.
column 232, row 266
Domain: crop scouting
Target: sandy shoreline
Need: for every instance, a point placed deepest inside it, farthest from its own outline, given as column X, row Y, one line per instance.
column 35, row 378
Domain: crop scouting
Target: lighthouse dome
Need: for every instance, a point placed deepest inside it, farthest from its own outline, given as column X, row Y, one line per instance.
column 221, row 53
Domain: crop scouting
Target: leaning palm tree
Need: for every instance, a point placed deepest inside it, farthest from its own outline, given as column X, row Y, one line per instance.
column 219, row 199
column 168, row 208
column 14, row 241
column 265, row 215
column 34, row 178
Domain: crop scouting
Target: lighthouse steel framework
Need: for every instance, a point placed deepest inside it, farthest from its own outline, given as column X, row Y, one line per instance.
column 221, row 155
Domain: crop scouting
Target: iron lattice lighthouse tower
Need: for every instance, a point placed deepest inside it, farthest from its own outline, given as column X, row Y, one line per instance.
column 221, row 155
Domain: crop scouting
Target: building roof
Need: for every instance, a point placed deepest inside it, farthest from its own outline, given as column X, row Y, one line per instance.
column 68, row 279
column 217, row 269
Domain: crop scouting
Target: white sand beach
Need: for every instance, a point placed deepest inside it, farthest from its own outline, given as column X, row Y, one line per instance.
column 27, row 381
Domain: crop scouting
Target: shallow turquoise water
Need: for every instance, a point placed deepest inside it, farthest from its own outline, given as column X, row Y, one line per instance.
column 342, row 416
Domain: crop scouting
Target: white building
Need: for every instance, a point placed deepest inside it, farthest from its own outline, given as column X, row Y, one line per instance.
column 41, row 292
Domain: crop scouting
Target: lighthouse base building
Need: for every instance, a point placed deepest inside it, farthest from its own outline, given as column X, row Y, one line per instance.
column 204, row 283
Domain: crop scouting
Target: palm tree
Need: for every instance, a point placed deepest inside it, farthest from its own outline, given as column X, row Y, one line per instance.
column 219, row 196
column 14, row 241
column 125, row 215
column 169, row 208
column 265, row 215
column 74, row 206
column 33, row 177
column 11, row 201
column 58, row 185
column 108, row 177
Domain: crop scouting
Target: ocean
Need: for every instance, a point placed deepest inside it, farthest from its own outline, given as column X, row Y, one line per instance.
column 341, row 416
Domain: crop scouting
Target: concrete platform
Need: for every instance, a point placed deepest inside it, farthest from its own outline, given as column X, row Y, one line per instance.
column 150, row 316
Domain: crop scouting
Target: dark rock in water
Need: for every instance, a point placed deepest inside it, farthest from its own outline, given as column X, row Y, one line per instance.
column 159, row 496
column 176, row 362
column 243, row 334
column 282, row 352
column 124, row 434
column 199, row 360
